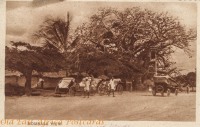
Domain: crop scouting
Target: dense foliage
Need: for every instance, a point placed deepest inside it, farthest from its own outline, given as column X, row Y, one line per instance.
column 111, row 42
column 25, row 58
column 129, row 36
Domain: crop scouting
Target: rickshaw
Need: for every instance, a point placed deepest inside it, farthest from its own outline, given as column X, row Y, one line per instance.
column 78, row 88
column 64, row 85
column 104, row 87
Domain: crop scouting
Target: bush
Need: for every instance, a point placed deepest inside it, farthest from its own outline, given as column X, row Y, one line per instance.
column 14, row 89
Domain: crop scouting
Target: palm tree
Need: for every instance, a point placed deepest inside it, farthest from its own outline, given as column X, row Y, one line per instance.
column 54, row 33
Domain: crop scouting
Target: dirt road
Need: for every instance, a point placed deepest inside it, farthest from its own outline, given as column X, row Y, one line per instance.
column 135, row 106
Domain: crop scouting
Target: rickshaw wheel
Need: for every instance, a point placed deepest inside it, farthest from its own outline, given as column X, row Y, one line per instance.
column 101, row 89
column 92, row 91
column 168, row 92
column 119, row 89
column 176, row 92
column 160, row 89
column 153, row 91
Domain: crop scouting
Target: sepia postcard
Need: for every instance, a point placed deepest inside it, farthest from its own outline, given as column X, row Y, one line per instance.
column 130, row 63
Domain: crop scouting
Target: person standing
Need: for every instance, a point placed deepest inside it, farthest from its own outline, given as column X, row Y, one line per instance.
column 41, row 82
column 112, row 86
column 188, row 88
column 87, row 87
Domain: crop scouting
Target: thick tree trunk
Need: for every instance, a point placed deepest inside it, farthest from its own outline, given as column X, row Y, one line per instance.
column 137, row 82
column 28, row 77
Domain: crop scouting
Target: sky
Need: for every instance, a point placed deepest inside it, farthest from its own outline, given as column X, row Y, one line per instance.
column 24, row 18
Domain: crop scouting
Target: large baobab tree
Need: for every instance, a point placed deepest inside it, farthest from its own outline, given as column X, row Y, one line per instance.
column 130, row 34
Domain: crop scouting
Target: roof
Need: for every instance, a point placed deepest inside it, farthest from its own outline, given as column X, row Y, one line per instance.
column 162, row 76
column 12, row 73
column 60, row 74
column 68, row 78
column 17, row 73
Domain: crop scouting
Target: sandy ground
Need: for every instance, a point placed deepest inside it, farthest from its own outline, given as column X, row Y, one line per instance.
column 135, row 106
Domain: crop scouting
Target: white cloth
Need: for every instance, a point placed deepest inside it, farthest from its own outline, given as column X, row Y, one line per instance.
column 150, row 89
column 82, row 84
column 112, row 84
column 87, row 86
column 41, row 80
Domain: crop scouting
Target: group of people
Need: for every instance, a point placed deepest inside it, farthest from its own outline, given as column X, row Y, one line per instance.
column 88, row 82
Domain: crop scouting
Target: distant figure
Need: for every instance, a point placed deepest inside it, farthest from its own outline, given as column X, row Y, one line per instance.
column 133, row 88
column 41, row 82
column 87, row 88
column 112, row 87
column 188, row 89
column 149, row 83
column 72, row 83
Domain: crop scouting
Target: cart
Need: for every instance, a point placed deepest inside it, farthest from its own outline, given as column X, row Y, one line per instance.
column 164, row 84
column 104, row 87
column 64, row 85
column 78, row 88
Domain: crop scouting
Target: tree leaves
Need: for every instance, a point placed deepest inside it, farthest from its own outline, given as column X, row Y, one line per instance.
column 129, row 35
column 33, row 58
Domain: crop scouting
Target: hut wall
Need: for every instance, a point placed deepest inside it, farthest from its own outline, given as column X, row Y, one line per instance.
column 22, row 80
column 34, row 80
column 51, row 82
column 11, row 80
column 48, row 82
